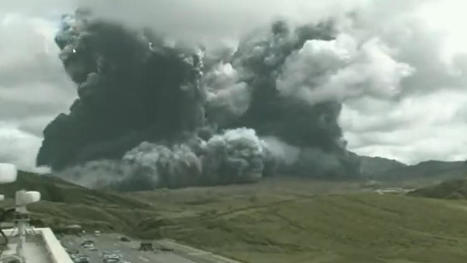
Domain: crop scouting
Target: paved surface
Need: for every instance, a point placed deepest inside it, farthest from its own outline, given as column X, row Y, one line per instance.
column 194, row 254
column 166, row 251
column 38, row 248
column 33, row 249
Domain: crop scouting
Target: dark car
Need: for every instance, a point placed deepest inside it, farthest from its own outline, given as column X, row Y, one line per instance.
column 124, row 239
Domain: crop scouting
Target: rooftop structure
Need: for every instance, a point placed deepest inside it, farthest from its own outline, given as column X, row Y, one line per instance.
column 23, row 243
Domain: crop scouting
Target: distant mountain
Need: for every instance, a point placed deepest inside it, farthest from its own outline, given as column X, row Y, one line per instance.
column 429, row 169
column 375, row 166
column 386, row 169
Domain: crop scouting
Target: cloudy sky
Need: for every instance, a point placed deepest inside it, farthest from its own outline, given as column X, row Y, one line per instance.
column 399, row 66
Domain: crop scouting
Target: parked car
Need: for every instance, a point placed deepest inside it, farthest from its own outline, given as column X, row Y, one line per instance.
column 80, row 258
column 111, row 256
column 88, row 244
column 124, row 239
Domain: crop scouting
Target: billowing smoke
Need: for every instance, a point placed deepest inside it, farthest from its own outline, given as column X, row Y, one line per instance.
column 131, row 86
column 259, row 65
column 234, row 156
column 154, row 113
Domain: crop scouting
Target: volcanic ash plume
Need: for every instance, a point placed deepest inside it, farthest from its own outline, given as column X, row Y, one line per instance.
column 131, row 88
column 151, row 113
column 231, row 157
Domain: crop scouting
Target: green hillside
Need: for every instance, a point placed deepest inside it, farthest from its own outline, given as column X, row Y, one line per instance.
column 277, row 220
column 452, row 189
column 279, row 226
column 55, row 189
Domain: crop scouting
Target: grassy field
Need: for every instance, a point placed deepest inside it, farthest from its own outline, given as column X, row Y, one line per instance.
column 279, row 220
column 334, row 228
column 277, row 224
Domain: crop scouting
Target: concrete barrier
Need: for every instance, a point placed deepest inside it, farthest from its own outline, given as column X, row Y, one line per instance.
column 55, row 249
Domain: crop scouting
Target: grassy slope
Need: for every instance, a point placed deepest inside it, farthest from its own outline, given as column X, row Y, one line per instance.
column 65, row 203
column 452, row 189
column 279, row 225
column 341, row 228
column 282, row 221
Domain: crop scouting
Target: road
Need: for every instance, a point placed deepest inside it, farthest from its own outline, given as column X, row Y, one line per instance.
column 166, row 251
column 129, row 250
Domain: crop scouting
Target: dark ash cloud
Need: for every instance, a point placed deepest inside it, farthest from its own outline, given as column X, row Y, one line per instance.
column 189, row 106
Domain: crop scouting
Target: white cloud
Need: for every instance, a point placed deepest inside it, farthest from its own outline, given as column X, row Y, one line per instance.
column 414, row 129
column 33, row 85
column 342, row 68
column 427, row 119
column 19, row 148
column 447, row 16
